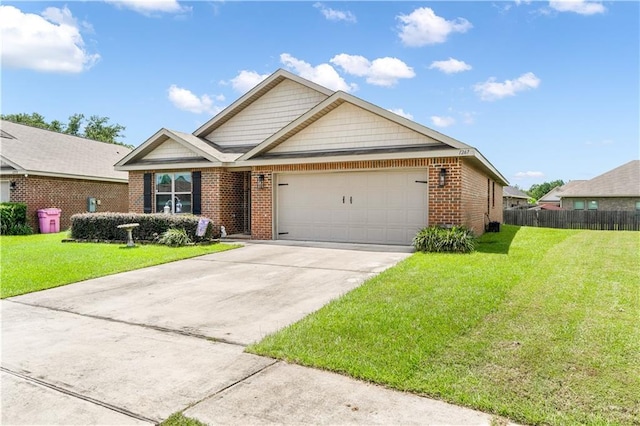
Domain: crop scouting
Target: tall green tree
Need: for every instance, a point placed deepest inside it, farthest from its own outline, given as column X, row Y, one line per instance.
column 35, row 119
column 96, row 128
column 75, row 125
column 538, row 190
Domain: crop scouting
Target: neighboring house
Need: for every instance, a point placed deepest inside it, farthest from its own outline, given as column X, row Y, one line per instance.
column 617, row 189
column 47, row 169
column 513, row 197
column 553, row 197
column 294, row 160
column 545, row 207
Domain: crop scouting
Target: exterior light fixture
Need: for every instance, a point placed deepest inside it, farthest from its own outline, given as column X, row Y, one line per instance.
column 260, row 181
column 442, row 177
column 13, row 185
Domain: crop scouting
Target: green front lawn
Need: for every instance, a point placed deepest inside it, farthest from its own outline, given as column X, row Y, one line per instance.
column 41, row 261
column 179, row 419
column 538, row 325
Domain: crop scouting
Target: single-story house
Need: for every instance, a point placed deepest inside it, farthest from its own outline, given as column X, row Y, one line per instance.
column 514, row 197
column 47, row 169
column 545, row 207
column 615, row 190
column 553, row 197
column 291, row 159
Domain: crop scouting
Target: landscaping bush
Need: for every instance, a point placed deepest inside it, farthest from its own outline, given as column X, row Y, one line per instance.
column 104, row 226
column 436, row 239
column 174, row 238
column 13, row 219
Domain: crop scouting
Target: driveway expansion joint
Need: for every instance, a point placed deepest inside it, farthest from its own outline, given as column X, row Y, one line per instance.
column 359, row 271
column 211, row 339
column 224, row 389
column 79, row 396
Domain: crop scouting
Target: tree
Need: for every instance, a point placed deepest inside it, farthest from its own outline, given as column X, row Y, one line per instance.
column 34, row 120
column 96, row 128
column 75, row 122
column 538, row 190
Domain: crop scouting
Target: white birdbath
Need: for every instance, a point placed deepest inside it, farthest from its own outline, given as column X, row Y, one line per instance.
column 129, row 227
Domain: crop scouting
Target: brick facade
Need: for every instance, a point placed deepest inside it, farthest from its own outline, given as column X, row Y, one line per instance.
column 462, row 200
column 604, row 204
column 262, row 204
column 68, row 195
column 481, row 199
column 222, row 195
column 231, row 191
column 468, row 196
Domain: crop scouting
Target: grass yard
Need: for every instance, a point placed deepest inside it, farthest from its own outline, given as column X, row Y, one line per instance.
column 538, row 325
column 179, row 419
column 37, row 262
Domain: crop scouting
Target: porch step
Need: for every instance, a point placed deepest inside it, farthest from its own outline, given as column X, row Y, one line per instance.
column 238, row 237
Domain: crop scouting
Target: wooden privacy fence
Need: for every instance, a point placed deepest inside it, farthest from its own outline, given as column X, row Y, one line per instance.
column 575, row 219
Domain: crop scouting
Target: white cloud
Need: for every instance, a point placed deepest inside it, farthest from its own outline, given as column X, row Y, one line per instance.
column 186, row 100
column 323, row 74
column 352, row 64
column 401, row 113
column 491, row 90
column 246, row 80
column 468, row 117
column 581, row 7
column 147, row 7
column 335, row 15
column 442, row 121
column 50, row 43
column 450, row 66
column 524, row 175
column 380, row 72
column 423, row 27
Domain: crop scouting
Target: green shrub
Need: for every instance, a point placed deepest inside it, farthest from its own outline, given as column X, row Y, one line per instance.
column 175, row 238
column 13, row 219
column 19, row 229
column 437, row 239
column 104, row 226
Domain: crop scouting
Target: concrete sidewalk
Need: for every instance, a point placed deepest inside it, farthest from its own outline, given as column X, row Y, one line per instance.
column 133, row 348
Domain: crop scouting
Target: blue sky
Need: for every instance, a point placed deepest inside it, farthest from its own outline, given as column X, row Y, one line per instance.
column 545, row 90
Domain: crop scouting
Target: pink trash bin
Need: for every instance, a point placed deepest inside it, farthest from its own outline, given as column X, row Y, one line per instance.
column 49, row 220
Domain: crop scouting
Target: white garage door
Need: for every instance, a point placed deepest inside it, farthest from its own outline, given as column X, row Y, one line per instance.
column 359, row 207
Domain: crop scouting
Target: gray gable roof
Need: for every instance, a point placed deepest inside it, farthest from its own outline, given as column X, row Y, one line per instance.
column 35, row 151
column 210, row 154
column 555, row 194
column 623, row 181
column 513, row 192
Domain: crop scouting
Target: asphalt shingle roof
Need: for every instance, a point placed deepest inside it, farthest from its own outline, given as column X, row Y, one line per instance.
column 35, row 150
column 556, row 193
column 623, row 181
column 513, row 192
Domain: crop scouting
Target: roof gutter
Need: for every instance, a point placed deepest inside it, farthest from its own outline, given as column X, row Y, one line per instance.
column 63, row 176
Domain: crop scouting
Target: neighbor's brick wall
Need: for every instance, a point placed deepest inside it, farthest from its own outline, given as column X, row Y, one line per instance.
column 604, row 204
column 480, row 203
column 68, row 195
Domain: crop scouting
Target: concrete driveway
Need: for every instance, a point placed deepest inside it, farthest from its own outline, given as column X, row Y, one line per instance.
column 135, row 347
